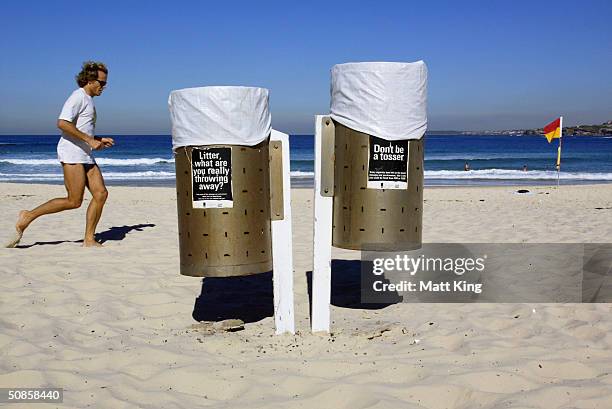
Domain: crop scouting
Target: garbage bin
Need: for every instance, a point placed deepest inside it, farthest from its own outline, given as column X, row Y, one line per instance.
column 379, row 114
column 220, row 141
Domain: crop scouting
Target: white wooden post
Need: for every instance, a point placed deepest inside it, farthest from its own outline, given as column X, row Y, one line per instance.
column 321, row 269
column 282, row 250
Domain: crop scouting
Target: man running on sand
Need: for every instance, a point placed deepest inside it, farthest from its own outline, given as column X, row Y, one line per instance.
column 77, row 121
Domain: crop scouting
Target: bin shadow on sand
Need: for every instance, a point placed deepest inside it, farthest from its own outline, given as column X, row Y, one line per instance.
column 248, row 298
column 346, row 286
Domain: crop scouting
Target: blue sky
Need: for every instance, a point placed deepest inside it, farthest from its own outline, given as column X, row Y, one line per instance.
column 492, row 64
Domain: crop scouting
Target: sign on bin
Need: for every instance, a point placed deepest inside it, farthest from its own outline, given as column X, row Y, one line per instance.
column 211, row 178
column 387, row 164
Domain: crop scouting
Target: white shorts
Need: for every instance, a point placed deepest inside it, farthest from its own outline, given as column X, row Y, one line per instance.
column 72, row 150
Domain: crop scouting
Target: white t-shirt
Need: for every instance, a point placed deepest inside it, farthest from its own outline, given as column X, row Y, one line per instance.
column 80, row 110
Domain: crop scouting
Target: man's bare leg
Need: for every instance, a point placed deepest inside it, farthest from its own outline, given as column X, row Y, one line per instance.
column 95, row 184
column 74, row 180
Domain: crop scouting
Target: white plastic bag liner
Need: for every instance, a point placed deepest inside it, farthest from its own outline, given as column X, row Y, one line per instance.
column 219, row 115
column 384, row 99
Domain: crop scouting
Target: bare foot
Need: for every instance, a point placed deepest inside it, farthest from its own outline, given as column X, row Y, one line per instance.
column 91, row 243
column 20, row 226
column 22, row 221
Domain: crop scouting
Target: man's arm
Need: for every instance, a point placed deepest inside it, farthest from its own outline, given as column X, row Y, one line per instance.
column 71, row 129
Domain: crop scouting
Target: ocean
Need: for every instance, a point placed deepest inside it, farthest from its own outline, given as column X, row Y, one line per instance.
column 145, row 160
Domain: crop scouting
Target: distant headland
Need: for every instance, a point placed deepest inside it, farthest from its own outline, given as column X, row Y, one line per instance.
column 581, row 130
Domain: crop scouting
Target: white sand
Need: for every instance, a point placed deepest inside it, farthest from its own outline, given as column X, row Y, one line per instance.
column 112, row 326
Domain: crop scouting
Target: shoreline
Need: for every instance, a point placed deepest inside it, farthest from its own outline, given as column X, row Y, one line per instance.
column 300, row 184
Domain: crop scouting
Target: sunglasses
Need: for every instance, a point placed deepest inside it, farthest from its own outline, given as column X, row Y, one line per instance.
column 102, row 83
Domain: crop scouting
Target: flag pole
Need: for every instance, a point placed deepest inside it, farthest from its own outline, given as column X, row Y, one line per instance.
column 559, row 149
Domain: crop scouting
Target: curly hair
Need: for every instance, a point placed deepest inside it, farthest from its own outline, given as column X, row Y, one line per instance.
column 89, row 72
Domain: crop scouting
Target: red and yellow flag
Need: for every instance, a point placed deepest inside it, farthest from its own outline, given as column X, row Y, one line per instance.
column 553, row 130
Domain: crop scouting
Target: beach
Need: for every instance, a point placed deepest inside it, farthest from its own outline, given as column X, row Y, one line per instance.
column 115, row 327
